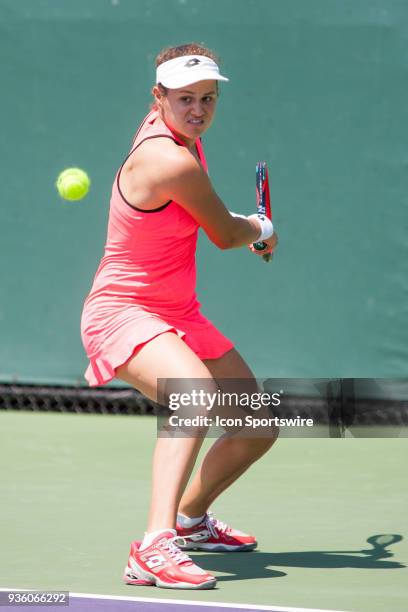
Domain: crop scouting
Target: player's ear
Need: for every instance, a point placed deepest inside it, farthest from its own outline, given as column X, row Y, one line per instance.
column 156, row 93
column 159, row 93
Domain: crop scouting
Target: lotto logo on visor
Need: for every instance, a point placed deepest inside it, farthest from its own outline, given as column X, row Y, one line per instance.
column 186, row 70
column 192, row 62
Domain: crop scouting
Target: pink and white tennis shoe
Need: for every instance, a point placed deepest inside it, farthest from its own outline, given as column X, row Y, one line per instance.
column 163, row 564
column 213, row 535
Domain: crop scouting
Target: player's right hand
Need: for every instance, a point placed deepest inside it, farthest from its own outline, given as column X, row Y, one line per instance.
column 271, row 244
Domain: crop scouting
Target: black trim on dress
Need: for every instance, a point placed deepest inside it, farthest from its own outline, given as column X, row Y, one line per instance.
column 153, row 210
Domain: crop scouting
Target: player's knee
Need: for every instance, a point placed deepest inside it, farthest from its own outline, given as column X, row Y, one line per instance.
column 251, row 449
column 260, row 446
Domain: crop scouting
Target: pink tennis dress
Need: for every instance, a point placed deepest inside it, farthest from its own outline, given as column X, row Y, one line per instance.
column 145, row 283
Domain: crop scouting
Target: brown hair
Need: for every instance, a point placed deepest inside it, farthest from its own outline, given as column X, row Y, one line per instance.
column 169, row 53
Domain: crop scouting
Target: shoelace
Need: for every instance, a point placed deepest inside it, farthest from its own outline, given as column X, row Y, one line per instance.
column 170, row 544
column 213, row 524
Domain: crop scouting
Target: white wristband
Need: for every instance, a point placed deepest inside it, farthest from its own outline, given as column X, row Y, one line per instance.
column 266, row 226
column 237, row 215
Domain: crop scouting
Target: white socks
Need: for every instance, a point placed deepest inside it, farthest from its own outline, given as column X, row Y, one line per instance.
column 149, row 537
column 183, row 521
column 186, row 522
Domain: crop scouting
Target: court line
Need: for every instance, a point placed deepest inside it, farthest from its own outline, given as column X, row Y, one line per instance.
column 180, row 602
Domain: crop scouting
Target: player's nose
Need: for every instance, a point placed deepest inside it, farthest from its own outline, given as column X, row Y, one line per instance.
column 198, row 110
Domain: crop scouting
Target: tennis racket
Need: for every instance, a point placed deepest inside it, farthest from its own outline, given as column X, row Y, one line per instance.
column 263, row 201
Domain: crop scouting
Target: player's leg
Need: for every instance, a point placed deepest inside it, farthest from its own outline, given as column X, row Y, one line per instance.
column 167, row 356
column 229, row 456
column 157, row 560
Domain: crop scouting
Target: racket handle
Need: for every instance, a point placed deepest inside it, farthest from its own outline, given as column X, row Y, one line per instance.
column 259, row 246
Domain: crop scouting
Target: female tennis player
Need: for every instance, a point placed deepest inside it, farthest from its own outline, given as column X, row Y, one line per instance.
column 142, row 322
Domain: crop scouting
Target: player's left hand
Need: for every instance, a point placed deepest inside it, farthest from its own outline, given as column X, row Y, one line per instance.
column 271, row 244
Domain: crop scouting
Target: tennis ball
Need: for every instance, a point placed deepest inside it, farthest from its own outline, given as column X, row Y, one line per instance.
column 73, row 184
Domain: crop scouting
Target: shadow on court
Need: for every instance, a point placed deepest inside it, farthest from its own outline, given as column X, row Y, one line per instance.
column 245, row 566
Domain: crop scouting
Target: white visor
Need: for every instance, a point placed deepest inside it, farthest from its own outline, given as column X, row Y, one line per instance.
column 187, row 70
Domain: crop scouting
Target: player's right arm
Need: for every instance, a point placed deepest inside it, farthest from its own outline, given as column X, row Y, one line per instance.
column 180, row 177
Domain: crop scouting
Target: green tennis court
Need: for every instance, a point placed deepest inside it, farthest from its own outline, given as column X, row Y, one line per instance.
column 75, row 491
